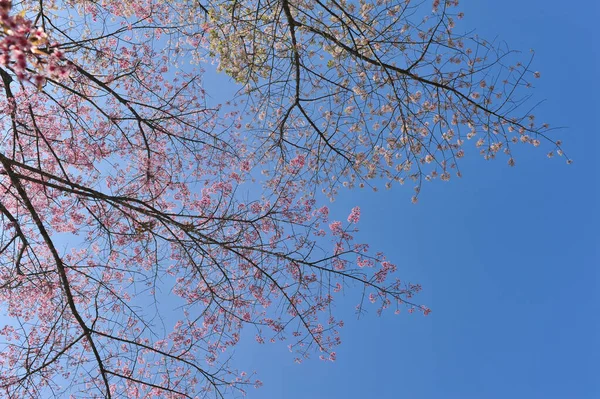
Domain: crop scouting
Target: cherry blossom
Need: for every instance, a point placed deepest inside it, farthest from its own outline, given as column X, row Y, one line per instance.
column 124, row 182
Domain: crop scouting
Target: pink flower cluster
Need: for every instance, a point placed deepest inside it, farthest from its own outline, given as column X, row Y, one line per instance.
column 354, row 216
column 20, row 41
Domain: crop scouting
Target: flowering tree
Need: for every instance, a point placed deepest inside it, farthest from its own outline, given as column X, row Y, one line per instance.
column 122, row 183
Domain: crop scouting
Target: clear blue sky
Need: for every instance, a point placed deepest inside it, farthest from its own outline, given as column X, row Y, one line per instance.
column 507, row 257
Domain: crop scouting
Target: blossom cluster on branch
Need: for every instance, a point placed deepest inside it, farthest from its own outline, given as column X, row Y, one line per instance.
column 24, row 48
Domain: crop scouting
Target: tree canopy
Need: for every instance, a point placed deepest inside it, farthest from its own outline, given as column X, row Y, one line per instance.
column 124, row 181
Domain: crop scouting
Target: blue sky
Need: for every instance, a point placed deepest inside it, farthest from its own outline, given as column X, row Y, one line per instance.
column 507, row 256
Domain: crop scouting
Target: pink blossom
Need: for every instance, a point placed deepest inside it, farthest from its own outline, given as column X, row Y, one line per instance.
column 354, row 216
